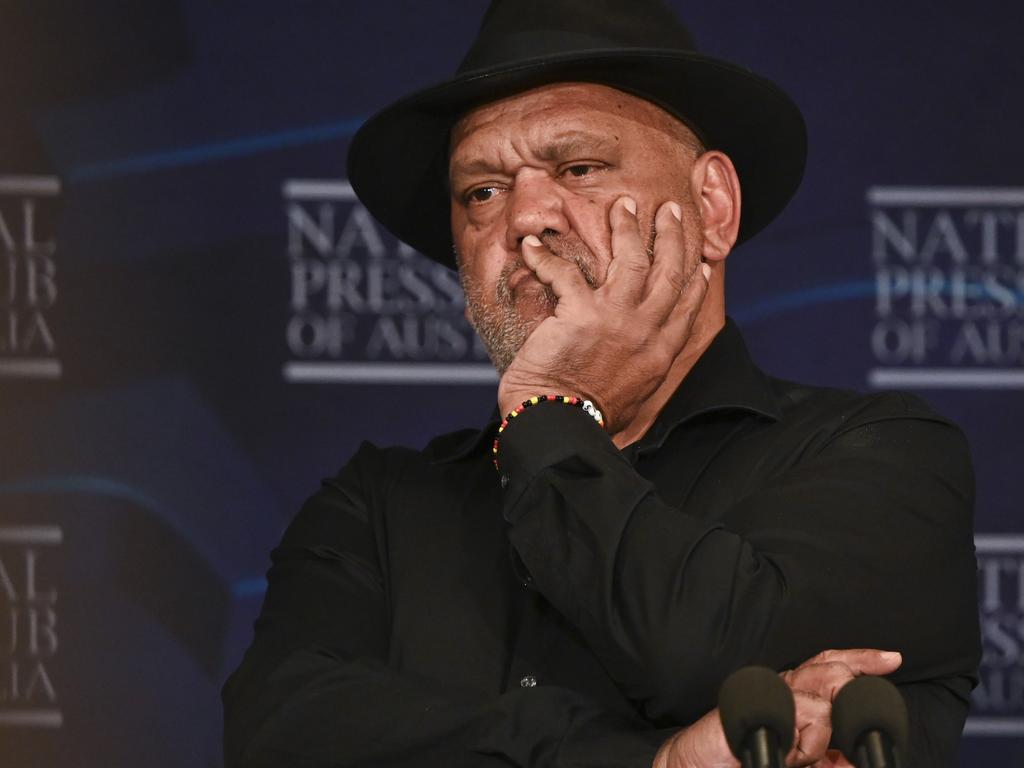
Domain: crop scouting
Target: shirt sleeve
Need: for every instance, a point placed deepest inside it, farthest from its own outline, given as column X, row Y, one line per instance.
column 865, row 541
column 315, row 687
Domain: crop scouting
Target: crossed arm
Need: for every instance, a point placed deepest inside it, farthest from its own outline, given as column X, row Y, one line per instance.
column 865, row 543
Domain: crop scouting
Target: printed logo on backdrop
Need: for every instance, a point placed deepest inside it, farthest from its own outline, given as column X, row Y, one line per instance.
column 28, row 277
column 364, row 306
column 997, row 704
column 949, row 299
column 28, row 627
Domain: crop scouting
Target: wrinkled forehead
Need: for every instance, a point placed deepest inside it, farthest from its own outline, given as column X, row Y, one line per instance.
column 582, row 105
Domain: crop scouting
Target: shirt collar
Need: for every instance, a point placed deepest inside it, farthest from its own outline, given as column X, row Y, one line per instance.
column 724, row 378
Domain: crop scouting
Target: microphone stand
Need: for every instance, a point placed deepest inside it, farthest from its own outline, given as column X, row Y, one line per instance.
column 875, row 751
column 762, row 750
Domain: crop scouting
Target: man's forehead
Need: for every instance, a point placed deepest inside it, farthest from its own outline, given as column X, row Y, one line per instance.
column 579, row 104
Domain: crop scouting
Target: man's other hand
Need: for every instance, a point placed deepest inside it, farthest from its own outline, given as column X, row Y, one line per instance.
column 814, row 684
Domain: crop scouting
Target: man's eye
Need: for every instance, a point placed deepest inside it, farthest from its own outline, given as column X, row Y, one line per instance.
column 580, row 169
column 480, row 194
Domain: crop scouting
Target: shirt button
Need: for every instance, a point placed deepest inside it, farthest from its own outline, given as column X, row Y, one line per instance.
column 504, row 480
column 528, row 682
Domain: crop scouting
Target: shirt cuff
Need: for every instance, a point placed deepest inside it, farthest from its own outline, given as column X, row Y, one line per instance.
column 541, row 436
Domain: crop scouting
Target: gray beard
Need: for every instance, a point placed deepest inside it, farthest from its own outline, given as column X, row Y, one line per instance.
column 499, row 322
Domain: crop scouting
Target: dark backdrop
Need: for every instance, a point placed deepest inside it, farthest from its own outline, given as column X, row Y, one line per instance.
column 198, row 321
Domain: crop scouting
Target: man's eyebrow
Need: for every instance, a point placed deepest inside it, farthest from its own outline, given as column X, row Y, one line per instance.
column 475, row 167
column 565, row 146
column 576, row 144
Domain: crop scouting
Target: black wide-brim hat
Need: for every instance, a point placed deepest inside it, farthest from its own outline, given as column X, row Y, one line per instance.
column 398, row 160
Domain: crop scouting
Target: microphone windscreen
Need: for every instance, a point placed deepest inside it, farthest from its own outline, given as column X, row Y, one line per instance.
column 869, row 704
column 756, row 697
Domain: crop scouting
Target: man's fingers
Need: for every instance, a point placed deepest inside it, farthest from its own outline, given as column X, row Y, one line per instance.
column 564, row 278
column 829, row 671
column 680, row 319
column 630, row 265
column 863, row 661
column 824, row 678
column 815, row 684
column 813, row 729
column 670, row 270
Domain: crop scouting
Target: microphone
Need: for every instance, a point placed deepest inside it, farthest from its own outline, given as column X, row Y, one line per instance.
column 758, row 717
column 869, row 723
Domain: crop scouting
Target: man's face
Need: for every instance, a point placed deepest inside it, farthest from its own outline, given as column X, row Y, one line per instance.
column 550, row 162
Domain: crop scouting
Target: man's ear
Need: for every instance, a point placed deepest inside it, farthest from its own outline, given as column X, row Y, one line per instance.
column 716, row 189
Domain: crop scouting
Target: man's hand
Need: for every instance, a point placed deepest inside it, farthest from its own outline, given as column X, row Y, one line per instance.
column 613, row 344
column 815, row 684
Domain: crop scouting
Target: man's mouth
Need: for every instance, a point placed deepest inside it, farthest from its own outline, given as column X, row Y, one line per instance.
column 517, row 277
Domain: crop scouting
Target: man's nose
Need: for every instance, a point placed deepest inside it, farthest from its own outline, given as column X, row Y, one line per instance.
column 536, row 207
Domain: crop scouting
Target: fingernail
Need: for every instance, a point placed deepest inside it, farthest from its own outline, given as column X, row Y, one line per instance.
column 706, row 271
column 891, row 655
column 629, row 204
column 532, row 240
column 676, row 211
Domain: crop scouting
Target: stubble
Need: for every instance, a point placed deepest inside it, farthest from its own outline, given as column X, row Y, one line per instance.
column 503, row 320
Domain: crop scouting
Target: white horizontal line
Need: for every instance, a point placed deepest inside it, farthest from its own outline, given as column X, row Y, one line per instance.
column 27, row 368
column 390, row 373
column 947, row 378
column 315, row 189
column 29, row 185
column 994, row 726
column 951, row 196
column 31, row 534
column 32, row 718
column 999, row 543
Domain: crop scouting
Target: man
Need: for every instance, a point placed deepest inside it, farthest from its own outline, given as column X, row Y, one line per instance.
column 582, row 604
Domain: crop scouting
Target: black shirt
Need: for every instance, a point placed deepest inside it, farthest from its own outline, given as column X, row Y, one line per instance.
column 581, row 605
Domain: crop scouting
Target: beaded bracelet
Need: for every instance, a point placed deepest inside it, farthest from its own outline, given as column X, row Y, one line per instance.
column 572, row 400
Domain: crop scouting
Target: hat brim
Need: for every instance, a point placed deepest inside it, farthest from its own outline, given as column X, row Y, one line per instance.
column 398, row 160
